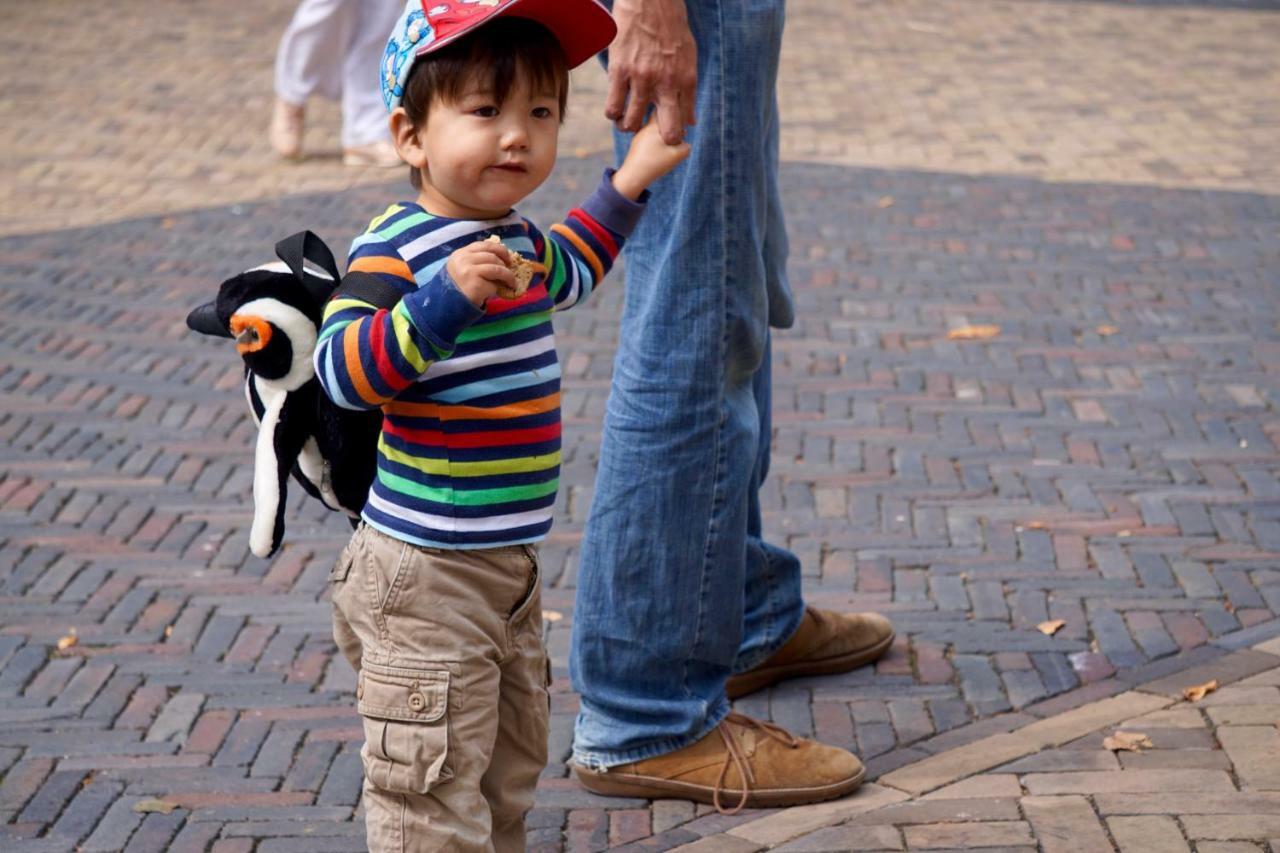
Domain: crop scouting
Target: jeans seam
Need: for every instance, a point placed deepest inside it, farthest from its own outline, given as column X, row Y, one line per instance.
column 717, row 494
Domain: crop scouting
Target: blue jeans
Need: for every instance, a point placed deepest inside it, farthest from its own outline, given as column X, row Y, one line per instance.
column 676, row 587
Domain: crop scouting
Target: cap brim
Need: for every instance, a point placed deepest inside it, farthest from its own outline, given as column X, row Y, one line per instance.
column 583, row 27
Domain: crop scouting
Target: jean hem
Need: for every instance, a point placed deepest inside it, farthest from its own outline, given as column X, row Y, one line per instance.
column 601, row 760
column 765, row 652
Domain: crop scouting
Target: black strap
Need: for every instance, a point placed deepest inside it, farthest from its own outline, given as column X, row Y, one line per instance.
column 306, row 246
column 367, row 287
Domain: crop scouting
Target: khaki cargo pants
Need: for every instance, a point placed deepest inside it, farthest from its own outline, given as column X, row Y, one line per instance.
column 452, row 688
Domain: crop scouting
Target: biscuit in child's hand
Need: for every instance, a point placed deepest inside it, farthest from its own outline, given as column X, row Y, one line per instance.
column 521, row 269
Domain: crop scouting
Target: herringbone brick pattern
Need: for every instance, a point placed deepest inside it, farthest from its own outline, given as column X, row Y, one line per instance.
column 139, row 108
column 1107, row 459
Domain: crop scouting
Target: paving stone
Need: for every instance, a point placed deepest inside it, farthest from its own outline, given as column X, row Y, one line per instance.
column 1229, row 826
column 720, row 844
column 1148, row 835
column 1225, row 670
column 965, row 835
column 1064, row 824
column 791, row 823
column 838, row 839
column 1255, row 752
column 1128, row 781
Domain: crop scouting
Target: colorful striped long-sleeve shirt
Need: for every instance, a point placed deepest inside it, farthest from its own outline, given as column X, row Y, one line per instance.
column 469, row 455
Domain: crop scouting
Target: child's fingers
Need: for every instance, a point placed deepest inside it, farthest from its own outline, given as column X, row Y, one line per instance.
column 496, row 250
column 496, row 274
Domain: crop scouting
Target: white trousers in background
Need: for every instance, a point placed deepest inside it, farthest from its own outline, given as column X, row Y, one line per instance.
column 333, row 48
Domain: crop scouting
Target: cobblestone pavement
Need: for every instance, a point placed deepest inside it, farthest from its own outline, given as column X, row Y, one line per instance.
column 135, row 108
column 1109, row 458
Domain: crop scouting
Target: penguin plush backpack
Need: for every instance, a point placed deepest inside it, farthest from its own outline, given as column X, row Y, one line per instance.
column 273, row 312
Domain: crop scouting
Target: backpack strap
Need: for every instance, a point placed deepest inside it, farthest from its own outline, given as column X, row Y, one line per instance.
column 306, row 246
column 367, row 287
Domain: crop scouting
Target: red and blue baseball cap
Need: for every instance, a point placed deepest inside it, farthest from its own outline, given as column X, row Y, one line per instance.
column 583, row 28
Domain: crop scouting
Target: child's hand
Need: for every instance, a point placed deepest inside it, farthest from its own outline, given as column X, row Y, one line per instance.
column 649, row 159
column 480, row 271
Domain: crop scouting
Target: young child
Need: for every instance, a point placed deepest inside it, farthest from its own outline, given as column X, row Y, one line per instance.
column 436, row 598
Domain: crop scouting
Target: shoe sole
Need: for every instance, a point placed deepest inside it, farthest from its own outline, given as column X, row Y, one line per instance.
column 654, row 788
column 749, row 682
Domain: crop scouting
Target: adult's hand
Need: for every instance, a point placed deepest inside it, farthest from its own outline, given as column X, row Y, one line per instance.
column 653, row 60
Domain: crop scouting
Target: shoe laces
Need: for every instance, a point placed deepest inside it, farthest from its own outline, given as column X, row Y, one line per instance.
column 734, row 756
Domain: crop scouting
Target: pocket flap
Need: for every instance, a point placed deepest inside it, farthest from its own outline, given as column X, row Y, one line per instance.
column 395, row 693
column 342, row 567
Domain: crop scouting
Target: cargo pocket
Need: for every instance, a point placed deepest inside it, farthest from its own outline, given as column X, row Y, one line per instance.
column 406, row 727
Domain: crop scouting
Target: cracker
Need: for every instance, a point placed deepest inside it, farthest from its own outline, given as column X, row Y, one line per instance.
column 521, row 268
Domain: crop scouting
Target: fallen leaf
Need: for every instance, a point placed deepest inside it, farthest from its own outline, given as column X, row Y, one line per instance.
column 1051, row 627
column 68, row 641
column 973, row 333
column 1035, row 525
column 581, row 152
column 1105, row 331
column 885, row 201
column 1124, row 534
column 1127, row 741
column 168, row 630
column 552, row 615
column 153, row 805
column 1195, row 694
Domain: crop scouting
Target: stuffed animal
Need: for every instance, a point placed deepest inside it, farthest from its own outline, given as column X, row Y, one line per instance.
column 273, row 312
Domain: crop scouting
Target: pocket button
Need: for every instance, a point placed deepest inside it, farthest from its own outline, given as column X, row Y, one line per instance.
column 417, row 702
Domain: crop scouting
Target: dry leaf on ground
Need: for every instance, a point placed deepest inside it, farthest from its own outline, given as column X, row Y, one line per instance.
column 885, row 201
column 1198, row 692
column 68, row 641
column 552, row 615
column 973, row 333
column 1128, row 741
column 1107, row 330
column 153, row 805
column 1051, row 627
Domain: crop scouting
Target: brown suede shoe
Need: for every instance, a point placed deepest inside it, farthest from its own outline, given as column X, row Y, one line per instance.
column 825, row 643
column 779, row 769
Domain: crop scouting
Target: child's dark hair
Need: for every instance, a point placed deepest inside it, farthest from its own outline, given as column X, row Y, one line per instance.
column 495, row 55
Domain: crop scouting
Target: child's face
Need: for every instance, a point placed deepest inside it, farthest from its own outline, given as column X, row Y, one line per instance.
column 482, row 157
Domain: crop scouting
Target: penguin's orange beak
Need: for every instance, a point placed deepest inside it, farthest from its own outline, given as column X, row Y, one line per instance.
column 251, row 333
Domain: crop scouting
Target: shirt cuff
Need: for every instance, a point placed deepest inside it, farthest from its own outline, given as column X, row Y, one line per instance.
column 612, row 209
column 440, row 311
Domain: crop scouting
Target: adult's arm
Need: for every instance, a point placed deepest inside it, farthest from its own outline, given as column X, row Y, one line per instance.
column 653, row 60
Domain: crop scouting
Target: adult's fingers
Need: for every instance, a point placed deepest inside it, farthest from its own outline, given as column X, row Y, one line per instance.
column 688, row 103
column 670, row 118
column 637, row 104
column 615, row 102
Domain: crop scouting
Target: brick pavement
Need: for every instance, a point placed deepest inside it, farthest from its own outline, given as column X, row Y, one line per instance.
column 146, row 108
column 1208, row 775
column 1108, row 459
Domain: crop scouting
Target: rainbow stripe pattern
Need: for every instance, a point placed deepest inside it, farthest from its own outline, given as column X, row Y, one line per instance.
column 469, row 455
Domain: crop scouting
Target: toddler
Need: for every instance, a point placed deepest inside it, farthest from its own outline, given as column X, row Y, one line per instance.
column 436, row 598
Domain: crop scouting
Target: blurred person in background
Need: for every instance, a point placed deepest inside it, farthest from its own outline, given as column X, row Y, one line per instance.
column 332, row 48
